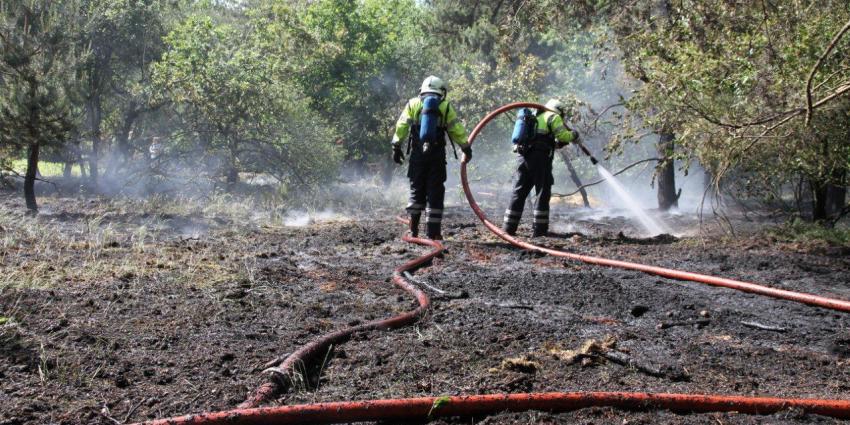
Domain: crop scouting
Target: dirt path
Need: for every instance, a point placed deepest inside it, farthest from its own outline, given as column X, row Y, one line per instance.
column 146, row 345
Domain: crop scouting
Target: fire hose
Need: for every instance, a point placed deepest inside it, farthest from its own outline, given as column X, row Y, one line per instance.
column 479, row 405
column 424, row 408
column 816, row 300
column 282, row 374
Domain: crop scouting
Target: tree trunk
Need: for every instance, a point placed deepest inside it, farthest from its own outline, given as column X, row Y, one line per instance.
column 233, row 175
column 818, row 201
column 829, row 197
column 836, row 193
column 387, row 171
column 95, row 119
column 66, row 170
column 666, row 173
column 29, row 177
column 574, row 177
column 122, row 136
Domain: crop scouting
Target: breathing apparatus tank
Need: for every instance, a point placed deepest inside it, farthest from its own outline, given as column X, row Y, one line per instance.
column 429, row 121
column 525, row 127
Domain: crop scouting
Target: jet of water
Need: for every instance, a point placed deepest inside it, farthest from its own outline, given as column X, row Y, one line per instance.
column 651, row 226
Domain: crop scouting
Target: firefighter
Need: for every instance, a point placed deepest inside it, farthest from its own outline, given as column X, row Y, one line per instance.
column 428, row 114
column 534, row 168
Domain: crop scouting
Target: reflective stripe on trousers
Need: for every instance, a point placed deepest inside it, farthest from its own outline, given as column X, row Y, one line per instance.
column 434, row 215
column 512, row 216
column 541, row 217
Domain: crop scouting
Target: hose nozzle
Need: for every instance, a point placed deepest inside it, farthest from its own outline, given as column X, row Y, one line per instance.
column 587, row 152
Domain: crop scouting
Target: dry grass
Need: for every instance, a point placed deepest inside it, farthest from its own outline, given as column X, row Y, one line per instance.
column 180, row 241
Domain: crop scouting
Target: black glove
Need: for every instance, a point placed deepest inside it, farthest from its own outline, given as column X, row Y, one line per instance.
column 467, row 153
column 398, row 156
column 560, row 144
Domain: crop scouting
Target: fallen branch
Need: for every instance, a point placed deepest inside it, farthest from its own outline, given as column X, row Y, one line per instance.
column 275, row 362
column 443, row 295
column 21, row 176
column 515, row 306
column 435, row 289
column 665, row 371
column 763, row 327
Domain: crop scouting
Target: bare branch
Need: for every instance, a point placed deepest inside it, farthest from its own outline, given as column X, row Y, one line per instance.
column 835, row 40
column 561, row 195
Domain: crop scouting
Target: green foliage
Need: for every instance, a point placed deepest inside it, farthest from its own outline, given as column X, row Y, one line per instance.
column 357, row 60
column 37, row 68
column 230, row 96
column 295, row 89
column 723, row 76
column 809, row 233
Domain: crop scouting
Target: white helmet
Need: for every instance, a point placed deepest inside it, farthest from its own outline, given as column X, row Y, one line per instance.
column 556, row 105
column 434, row 85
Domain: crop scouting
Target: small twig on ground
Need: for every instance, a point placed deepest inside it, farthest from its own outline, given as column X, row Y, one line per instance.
column 763, row 327
column 516, row 306
column 624, row 359
column 132, row 411
column 435, row 289
column 106, row 414
column 698, row 322
column 275, row 362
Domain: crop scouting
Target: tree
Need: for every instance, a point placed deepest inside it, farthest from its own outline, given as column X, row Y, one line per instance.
column 229, row 94
column 741, row 89
column 38, row 68
column 358, row 60
column 125, row 38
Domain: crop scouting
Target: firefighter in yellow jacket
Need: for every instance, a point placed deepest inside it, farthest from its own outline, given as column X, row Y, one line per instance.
column 534, row 168
column 424, row 124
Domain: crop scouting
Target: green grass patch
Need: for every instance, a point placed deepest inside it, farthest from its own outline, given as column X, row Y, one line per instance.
column 46, row 168
column 801, row 231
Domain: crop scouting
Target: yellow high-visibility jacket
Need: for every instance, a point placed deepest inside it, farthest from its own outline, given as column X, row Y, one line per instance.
column 550, row 124
column 411, row 115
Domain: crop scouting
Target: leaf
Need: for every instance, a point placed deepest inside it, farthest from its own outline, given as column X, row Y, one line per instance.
column 438, row 403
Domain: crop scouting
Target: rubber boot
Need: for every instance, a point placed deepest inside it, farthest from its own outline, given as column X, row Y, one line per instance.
column 510, row 228
column 433, row 231
column 539, row 230
column 414, row 225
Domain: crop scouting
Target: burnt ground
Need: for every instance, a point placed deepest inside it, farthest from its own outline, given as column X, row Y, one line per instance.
column 113, row 314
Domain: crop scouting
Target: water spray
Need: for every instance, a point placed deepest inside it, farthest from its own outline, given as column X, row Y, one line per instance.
column 651, row 226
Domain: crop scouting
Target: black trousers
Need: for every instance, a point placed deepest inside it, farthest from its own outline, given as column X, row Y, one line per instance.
column 534, row 170
column 427, row 174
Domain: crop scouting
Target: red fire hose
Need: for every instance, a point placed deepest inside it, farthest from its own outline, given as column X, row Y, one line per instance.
column 478, row 405
column 816, row 300
column 296, row 362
